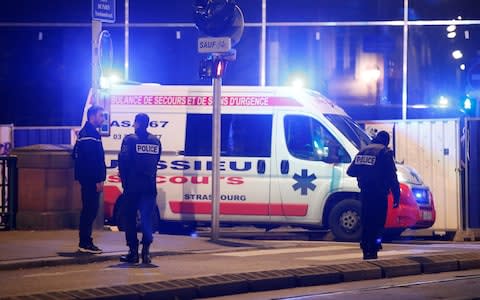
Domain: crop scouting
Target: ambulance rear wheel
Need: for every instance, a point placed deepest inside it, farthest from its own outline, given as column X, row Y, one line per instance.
column 344, row 221
column 121, row 222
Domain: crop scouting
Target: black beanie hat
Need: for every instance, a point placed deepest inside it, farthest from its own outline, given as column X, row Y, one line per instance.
column 382, row 138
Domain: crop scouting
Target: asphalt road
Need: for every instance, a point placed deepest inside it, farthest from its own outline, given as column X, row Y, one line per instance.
column 297, row 254
column 453, row 285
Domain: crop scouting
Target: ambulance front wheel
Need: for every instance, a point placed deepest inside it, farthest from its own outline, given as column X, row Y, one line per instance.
column 120, row 220
column 344, row 220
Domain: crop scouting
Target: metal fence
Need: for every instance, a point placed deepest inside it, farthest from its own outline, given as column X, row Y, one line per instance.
column 26, row 136
column 8, row 192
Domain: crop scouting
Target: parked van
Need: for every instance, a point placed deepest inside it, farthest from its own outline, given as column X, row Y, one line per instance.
column 284, row 155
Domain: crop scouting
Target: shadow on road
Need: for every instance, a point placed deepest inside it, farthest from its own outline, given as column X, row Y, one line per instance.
column 133, row 266
column 74, row 254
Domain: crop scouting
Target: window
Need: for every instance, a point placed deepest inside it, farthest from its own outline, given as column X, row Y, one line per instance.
column 307, row 139
column 242, row 135
column 350, row 129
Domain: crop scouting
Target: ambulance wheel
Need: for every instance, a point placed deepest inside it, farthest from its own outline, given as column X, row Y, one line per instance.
column 120, row 220
column 344, row 221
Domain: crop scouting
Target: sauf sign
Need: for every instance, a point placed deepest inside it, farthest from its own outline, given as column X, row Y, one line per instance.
column 214, row 45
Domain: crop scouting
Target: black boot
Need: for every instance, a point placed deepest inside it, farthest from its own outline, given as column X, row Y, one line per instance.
column 370, row 255
column 131, row 257
column 146, row 259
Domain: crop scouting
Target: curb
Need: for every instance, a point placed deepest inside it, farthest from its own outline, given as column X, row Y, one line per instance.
column 77, row 260
column 221, row 285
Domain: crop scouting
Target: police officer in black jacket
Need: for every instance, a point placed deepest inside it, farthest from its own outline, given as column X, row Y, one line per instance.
column 138, row 161
column 374, row 167
column 90, row 171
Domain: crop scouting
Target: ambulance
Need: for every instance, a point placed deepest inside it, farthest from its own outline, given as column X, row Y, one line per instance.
column 284, row 155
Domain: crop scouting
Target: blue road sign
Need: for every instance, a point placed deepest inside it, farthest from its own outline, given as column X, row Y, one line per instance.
column 103, row 10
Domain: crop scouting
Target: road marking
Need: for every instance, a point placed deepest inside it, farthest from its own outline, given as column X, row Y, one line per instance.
column 360, row 255
column 285, row 251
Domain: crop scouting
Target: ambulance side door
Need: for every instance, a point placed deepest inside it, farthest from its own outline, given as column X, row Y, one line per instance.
column 305, row 170
column 245, row 166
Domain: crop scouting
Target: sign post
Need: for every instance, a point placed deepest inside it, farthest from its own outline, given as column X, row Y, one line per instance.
column 102, row 11
column 222, row 21
column 216, row 136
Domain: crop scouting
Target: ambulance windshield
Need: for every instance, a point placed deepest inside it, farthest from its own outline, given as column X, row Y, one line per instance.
column 352, row 131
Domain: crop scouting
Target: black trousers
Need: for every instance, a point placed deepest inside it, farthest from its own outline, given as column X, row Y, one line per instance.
column 145, row 205
column 374, row 215
column 90, row 204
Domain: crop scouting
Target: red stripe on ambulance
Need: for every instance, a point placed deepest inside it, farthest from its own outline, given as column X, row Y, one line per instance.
column 243, row 209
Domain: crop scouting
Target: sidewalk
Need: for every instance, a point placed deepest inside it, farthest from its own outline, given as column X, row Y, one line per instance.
column 31, row 249
column 191, row 267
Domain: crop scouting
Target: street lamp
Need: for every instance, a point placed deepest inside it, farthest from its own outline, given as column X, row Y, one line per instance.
column 443, row 102
column 457, row 54
column 451, row 28
column 370, row 77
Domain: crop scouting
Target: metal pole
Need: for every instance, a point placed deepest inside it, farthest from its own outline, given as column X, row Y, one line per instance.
column 216, row 134
column 466, row 188
column 405, row 60
column 96, row 30
column 127, row 34
column 263, row 45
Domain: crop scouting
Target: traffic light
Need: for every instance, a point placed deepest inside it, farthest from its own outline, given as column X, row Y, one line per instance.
column 212, row 67
column 219, row 18
column 470, row 106
column 467, row 104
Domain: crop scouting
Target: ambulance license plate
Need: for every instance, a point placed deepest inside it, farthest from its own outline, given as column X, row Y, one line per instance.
column 427, row 215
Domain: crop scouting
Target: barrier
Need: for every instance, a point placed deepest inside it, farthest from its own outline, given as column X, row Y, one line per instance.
column 8, row 192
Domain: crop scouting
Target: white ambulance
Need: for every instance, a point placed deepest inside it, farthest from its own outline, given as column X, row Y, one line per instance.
column 284, row 154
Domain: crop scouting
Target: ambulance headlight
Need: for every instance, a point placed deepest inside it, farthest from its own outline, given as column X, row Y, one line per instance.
column 408, row 175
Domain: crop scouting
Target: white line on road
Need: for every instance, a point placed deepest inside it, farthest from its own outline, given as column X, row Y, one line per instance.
column 285, row 251
column 360, row 255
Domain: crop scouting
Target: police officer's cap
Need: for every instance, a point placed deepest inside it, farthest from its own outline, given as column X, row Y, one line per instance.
column 142, row 120
column 382, row 138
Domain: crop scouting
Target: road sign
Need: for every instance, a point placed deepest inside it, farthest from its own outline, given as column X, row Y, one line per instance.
column 103, row 10
column 214, row 45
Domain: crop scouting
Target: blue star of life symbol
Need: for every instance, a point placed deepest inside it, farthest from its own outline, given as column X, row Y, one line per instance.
column 304, row 182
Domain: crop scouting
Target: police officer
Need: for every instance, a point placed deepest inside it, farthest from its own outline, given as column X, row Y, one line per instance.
column 375, row 170
column 138, row 161
column 90, row 171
